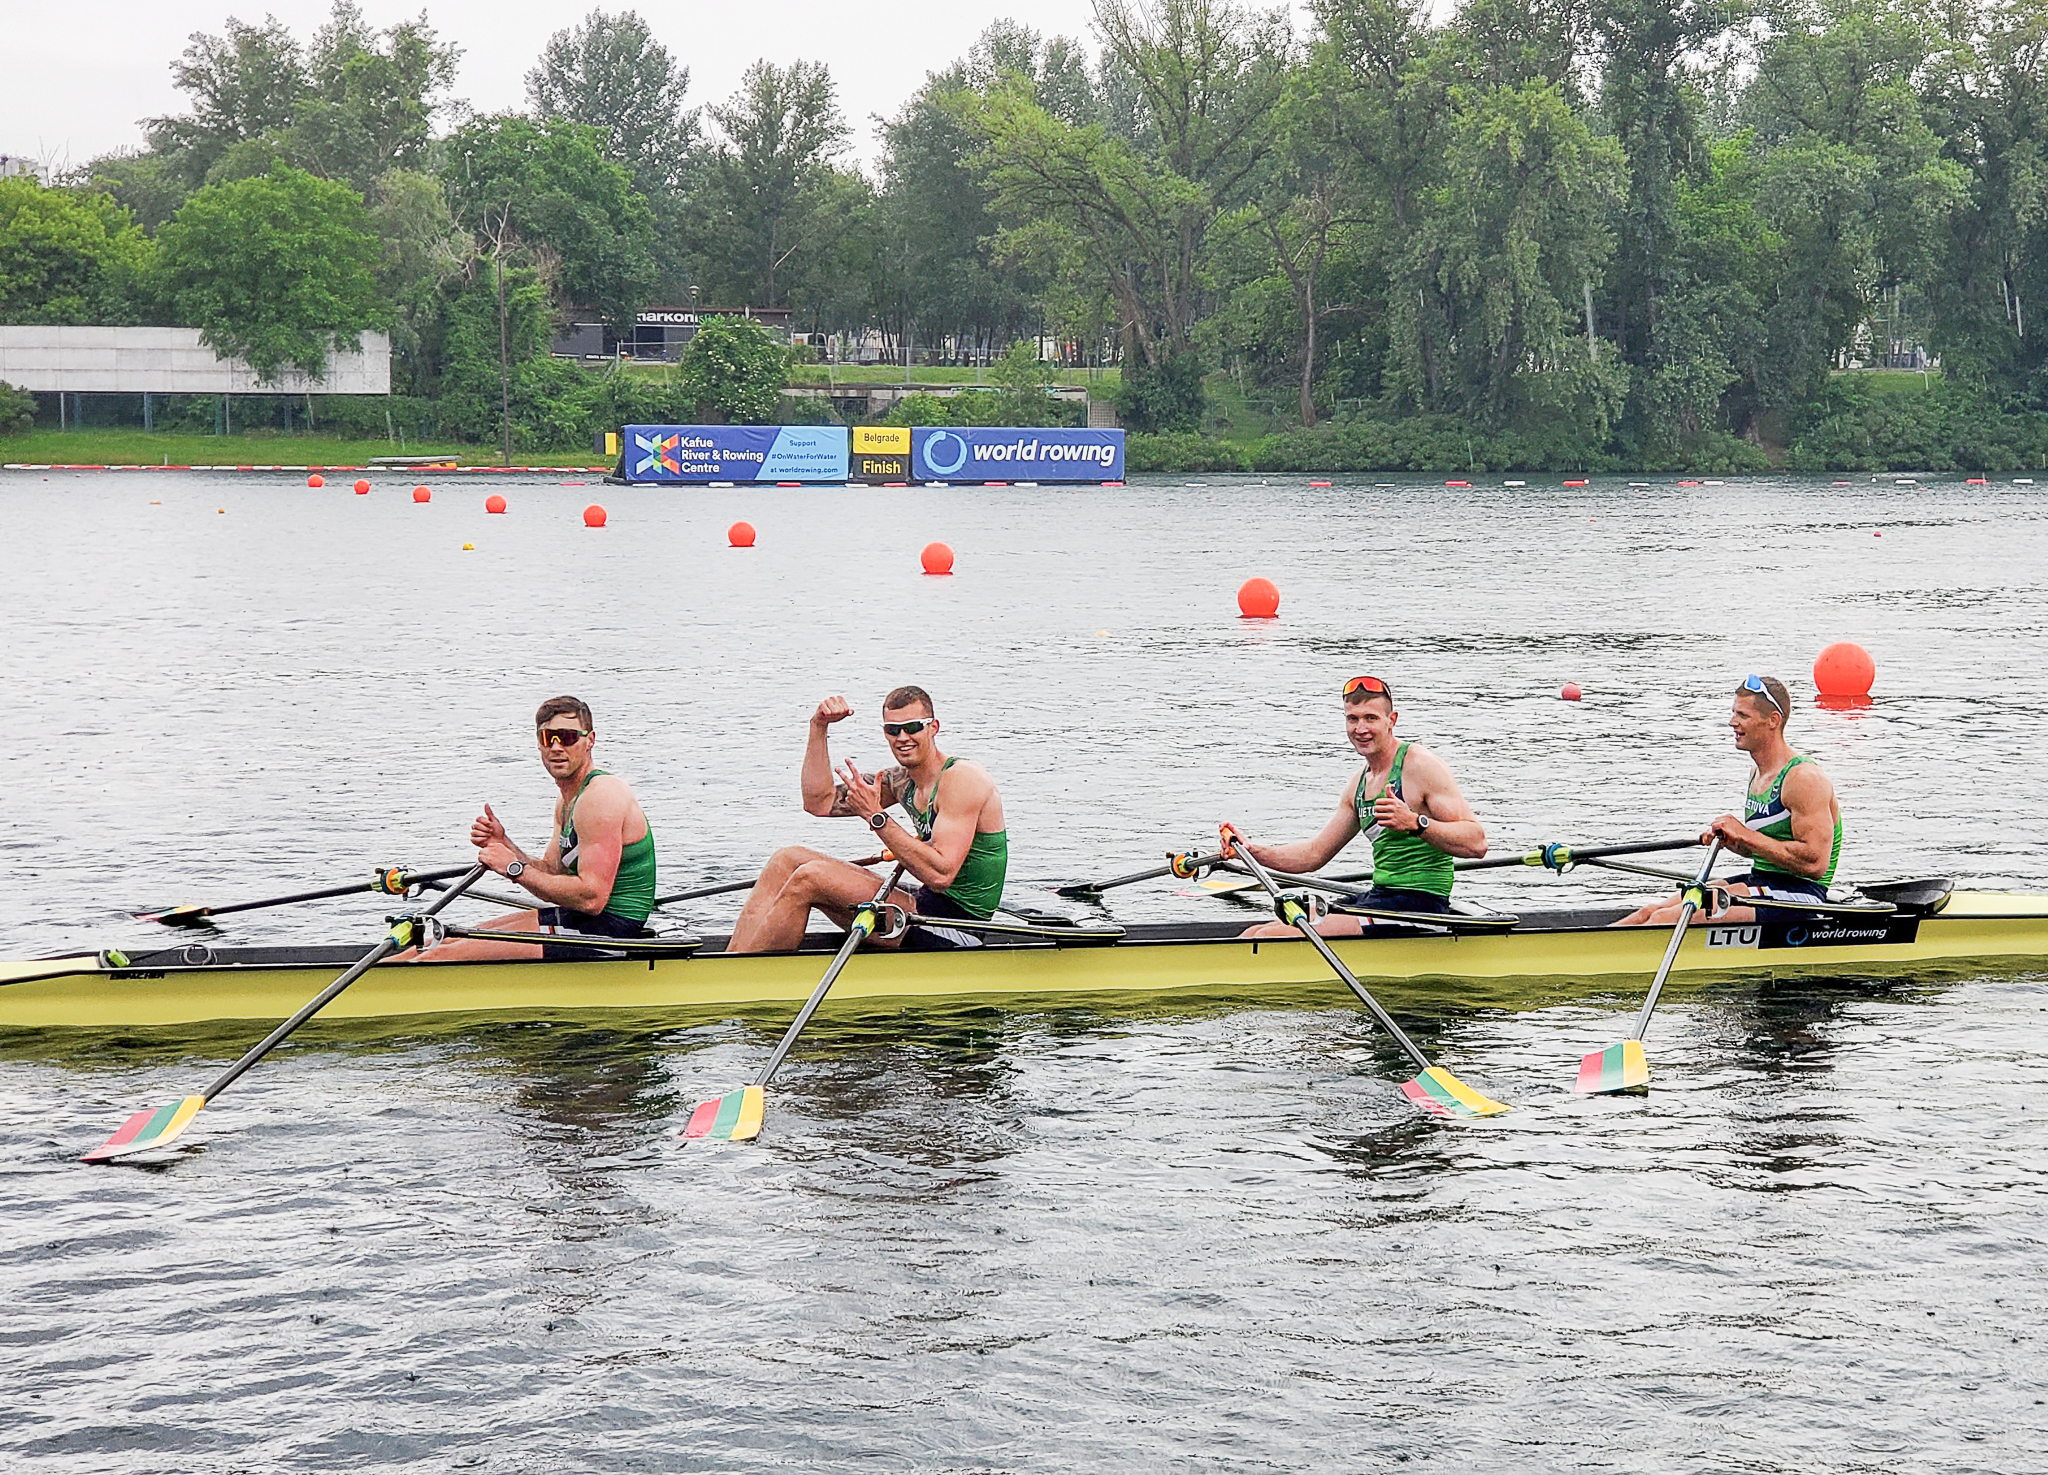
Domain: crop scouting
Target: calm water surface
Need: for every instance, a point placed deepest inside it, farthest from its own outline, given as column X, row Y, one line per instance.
column 1209, row 1237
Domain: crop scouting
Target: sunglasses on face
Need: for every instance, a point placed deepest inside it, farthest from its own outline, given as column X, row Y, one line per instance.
column 1372, row 686
column 911, row 728
column 561, row 737
column 1754, row 685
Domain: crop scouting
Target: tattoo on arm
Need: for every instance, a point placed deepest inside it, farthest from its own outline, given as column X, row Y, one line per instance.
column 893, row 782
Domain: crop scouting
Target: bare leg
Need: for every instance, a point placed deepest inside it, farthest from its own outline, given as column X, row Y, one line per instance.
column 814, row 881
column 1337, row 924
column 768, row 886
column 483, row 949
column 1665, row 913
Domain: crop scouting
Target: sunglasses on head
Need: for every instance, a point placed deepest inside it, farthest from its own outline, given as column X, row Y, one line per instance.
column 1754, row 684
column 561, row 737
column 1372, row 686
column 911, row 728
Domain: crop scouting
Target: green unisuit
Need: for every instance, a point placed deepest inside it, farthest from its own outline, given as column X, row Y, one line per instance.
column 978, row 888
column 1767, row 815
column 1404, row 861
column 633, row 887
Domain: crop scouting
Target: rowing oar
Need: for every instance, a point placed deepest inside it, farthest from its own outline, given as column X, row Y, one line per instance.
column 1622, row 1066
column 1178, row 863
column 1559, row 858
column 737, row 1114
column 152, row 1129
column 1436, row 1089
column 726, row 887
column 391, row 880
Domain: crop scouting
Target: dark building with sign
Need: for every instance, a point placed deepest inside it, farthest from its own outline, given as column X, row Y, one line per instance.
column 659, row 333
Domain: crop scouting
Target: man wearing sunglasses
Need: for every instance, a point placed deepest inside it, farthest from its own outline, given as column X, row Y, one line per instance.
column 1407, row 805
column 955, row 843
column 596, row 875
column 1791, row 825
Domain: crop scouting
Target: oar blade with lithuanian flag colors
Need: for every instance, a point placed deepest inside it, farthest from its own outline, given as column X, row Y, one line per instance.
column 147, row 1130
column 733, row 1117
column 1440, row 1093
column 1622, row 1066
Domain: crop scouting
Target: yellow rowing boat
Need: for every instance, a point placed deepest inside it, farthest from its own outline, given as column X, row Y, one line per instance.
column 1543, row 958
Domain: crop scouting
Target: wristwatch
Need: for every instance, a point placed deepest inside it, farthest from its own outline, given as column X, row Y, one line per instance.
column 1421, row 823
column 879, row 820
column 515, row 870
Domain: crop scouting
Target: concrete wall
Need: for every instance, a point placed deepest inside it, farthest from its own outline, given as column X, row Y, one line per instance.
column 168, row 361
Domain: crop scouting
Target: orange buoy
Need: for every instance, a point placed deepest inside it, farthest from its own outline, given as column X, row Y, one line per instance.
column 937, row 558
column 593, row 516
column 1258, row 599
column 740, row 535
column 1571, row 692
column 494, row 503
column 1844, row 669
column 362, row 487
column 316, row 481
column 421, row 494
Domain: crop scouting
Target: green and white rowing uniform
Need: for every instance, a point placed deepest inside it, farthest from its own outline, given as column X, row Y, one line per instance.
column 633, row 888
column 1400, row 861
column 1767, row 815
column 978, row 889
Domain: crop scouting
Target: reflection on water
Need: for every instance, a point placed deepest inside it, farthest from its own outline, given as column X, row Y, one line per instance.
column 1196, row 1233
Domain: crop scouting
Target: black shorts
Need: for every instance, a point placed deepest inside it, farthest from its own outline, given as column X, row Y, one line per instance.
column 1777, row 883
column 929, row 903
column 1400, row 899
column 593, row 924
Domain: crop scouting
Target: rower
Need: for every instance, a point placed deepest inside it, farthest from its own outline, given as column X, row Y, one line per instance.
column 1405, row 801
column 955, row 844
column 1791, row 825
column 597, row 873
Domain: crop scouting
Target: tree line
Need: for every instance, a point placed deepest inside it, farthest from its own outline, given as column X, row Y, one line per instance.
column 1644, row 232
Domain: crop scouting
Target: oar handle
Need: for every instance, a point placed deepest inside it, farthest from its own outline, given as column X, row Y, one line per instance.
column 1561, row 858
column 392, row 880
column 1695, row 898
column 1178, row 863
column 1293, row 912
column 865, row 918
column 401, row 936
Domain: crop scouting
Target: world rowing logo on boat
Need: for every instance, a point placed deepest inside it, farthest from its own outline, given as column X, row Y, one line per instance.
column 661, row 451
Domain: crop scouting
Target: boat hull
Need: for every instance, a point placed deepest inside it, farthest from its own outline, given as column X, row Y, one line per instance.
column 1528, row 967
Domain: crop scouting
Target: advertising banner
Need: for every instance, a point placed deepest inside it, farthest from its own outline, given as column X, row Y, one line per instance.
column 881, row 453
column 1007, row 454
column 701, row 453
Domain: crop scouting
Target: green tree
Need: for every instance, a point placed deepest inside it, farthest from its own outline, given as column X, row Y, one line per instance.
column 609, row 72
column 243, row 84
column 766, row 193
column 278, row 270
column 370, row 97
column 69, row 257
column 1518, row 228
column 734, row 369
column 546, row 187
column 422, row 251
column 1190, row 89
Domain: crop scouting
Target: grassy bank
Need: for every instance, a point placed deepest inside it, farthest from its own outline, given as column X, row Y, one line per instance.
column 116, row 446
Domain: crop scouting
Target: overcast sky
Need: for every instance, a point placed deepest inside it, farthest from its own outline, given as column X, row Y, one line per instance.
column 80, row 76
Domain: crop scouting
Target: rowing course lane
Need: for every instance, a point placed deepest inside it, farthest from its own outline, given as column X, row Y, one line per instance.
column 1057, row 1240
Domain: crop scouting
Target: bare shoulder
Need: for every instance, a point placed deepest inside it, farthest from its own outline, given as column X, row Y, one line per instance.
column 1808, row 783
column 607, row 794
column 967, row 778
column 1425, row 765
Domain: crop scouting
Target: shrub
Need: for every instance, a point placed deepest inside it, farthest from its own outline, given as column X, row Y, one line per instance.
column 17, row 410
